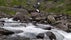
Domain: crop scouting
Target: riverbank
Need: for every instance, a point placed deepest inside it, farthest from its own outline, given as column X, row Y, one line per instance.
column 29, row 31
column 60, row 21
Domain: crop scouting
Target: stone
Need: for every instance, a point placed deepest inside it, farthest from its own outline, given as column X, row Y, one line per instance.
column 62, row 24
column 35, row 14
column 40, row 36
column 5, row 32
column 51, row 19
column 20, row 16
column 2, row 23
column 51, row 35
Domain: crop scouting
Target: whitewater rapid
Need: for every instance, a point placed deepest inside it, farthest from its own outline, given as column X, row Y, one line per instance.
column 29, row 30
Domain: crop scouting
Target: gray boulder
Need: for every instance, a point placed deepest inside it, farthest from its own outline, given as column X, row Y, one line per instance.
column 20, row 16
column 51, row 19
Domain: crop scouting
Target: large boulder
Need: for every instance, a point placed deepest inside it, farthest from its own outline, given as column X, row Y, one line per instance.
column 51, row 19
column 20, row 16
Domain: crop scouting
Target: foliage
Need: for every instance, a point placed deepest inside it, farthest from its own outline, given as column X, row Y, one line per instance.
column 55, row 6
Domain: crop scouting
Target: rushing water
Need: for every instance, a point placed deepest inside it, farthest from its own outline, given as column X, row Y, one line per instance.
column 29, row 30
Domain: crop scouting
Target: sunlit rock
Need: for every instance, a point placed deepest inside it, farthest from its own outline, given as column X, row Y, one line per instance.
column 51, row 19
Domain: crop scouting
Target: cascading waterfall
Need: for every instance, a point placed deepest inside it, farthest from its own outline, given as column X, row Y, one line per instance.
column 29, row 30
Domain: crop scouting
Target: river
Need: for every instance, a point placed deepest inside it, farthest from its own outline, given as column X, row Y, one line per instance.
column 28, row 30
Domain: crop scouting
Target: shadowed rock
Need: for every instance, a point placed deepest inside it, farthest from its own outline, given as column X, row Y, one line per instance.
column 40, row 36
column 5, row 32
column 2, row 23
column 51, row 35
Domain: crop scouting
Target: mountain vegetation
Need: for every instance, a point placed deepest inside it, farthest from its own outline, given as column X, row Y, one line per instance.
column 46, row 6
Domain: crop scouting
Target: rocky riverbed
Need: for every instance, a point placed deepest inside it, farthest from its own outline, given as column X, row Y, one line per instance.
column 36, row 26
column 60, row 21
column 15, row 30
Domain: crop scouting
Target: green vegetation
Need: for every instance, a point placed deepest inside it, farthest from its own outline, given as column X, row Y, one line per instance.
column 60, row 6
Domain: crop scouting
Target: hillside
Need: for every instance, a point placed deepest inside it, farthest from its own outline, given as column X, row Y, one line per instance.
column 46, row 6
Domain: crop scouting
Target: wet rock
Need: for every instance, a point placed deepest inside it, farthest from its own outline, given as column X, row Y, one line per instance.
column 5, row 32
column 2, row 21
column 40, row 36
column 58, row 34
column 51, row 35
column 1, row 24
